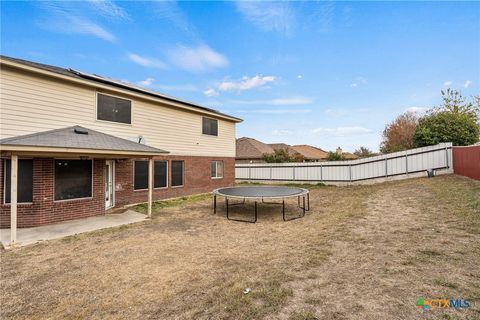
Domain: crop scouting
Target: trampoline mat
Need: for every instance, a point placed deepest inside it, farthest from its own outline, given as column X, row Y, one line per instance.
column 261, row 192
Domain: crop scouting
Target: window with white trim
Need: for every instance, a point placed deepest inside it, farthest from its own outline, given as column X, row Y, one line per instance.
column 160, row 174
column 114, row 109
column 177, row 173
column 24, row 180
column 216, row 169
column 73, row 179
column 210, row 126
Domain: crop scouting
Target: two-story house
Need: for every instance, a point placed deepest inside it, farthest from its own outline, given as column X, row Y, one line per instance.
column 75, row 145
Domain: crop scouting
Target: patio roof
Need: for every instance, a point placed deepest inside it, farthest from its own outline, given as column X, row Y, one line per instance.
column 76, row 140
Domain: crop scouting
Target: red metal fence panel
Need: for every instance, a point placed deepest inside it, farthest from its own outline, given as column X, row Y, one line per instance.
column 466, row 161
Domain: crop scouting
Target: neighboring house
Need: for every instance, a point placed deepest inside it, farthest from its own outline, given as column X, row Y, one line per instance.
column 249, row 150
column 84, row 144
column 310, row 153
column 346, row 155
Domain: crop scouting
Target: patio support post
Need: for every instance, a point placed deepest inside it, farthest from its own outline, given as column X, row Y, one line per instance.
column 13, row 199
column 150, row 186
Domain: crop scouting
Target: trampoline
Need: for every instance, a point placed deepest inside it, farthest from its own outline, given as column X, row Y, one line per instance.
column 260, row 194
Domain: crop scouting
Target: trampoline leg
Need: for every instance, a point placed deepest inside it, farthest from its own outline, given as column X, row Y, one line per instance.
column 308, row 201
column 303, row 205
column 255, row 212
column 214, row 204
column 283, row 209
column 226, row 203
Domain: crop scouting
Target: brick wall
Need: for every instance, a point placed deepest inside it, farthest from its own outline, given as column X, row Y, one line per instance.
column 197, row 179
column 44, row 210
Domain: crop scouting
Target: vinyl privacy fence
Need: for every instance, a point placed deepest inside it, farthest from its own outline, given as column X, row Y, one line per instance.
column 393, row 164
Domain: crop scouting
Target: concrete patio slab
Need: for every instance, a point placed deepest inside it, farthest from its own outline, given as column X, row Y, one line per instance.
column 26, row 236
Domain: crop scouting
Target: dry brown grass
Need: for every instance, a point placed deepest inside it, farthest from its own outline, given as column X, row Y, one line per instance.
column 366, row 252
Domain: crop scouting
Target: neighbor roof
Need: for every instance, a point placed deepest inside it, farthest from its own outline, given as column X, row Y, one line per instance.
column 77, row 137
column 249, row 148
column 115, row 83
column 310, row 152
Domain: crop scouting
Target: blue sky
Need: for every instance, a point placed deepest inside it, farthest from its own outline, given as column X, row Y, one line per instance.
column 323, row 73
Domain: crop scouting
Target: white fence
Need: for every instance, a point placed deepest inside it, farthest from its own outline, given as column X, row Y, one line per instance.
column 393, row 164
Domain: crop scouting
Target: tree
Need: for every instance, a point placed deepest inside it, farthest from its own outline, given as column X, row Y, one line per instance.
column 363, row 152
column 398, row 135
column 454, row 121
column 334, row 156
column 278, row 156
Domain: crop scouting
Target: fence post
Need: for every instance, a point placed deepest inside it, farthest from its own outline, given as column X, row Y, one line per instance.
column 271, row 172
column 386, row 167
column 446, row 156
column 406, row 162
column 249, row 173
column 293, row 172
column 350, row 172
column 321, row 172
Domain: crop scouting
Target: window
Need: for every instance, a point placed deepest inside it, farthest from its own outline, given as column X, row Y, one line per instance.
column 177, row 173
column 217, row 169
column 114, row 109
column 160, row 178
column 24, row 180
column 210, row 126
column 73, row 179
column 140, row 175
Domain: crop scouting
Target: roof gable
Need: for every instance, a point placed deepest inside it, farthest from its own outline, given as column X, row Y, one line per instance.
column 249, row 148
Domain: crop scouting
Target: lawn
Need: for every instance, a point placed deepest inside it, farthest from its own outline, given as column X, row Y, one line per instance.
column 363, row 252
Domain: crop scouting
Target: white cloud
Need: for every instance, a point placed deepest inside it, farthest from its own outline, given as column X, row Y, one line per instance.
column 147, row 82
column 416, row 109
column 210, row 92
column 467, row 83
column 71, row 17
column 181, row 87
column 282, row 132
column 282, row 111
column 108, row 9
column 358, row 81
column 277, row 111
column 146, row 62
column 277, row 102
column 268, row 15
column 299, row 76
column 246, row 83
column 79, row 25
column 197, row 59
column 341, row 131
column 447, row 83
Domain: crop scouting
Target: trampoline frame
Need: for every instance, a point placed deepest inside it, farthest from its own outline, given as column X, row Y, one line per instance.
column 305, row 195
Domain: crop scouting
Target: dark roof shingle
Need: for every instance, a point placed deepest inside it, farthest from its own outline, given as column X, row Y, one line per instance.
column 78, row 137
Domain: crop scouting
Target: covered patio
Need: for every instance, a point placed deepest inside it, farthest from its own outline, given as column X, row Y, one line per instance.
column 26, row 236
column 45, row 202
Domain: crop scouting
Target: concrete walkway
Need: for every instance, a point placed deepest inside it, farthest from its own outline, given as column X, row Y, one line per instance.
column 26, row 236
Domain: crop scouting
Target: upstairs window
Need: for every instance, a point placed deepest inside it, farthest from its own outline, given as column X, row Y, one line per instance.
column 210, row 126
column 24, row 180
column 114, row 109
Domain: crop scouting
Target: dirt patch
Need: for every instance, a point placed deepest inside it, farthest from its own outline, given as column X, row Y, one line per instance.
column 366, row 252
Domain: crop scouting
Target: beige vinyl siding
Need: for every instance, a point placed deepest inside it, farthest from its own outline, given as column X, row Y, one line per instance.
column 32, row 103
